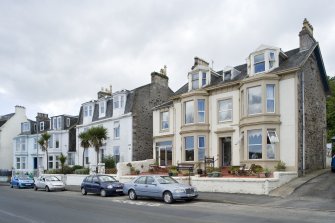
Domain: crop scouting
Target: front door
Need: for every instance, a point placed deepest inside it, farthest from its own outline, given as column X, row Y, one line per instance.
column 35, row 163
column 226, row 151
column 165, row 155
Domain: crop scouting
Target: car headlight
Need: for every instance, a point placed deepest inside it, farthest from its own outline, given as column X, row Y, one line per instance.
column 195, row 189
column 179, row 190
column 110, row 186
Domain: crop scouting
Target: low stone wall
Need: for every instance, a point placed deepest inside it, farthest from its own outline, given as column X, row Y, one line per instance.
column 233, row 185
column 142, row 166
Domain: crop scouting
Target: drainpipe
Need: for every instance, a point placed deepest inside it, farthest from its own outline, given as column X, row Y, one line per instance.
column 303, row 121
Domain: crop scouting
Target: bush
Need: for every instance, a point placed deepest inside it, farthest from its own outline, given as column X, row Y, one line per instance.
column 109, row 162
column 76, row 167
column 257, row 169
column 54, row 171
column 281, row 166
column 82, row 171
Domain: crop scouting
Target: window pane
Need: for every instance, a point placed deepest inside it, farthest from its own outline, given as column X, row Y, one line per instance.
column 259, row 67
column 254, row 100
column 225, row 110
column 255, row 144
column 189, row 142
column 270, row 151
column 259, row 58
column 201, row 141
column 270, row 98
column 201, row 110
column 195, row 81
column 164, row 120
column 189, row 112
column 203, row 79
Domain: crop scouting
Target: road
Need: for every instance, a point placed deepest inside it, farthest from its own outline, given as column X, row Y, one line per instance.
column 307, row 204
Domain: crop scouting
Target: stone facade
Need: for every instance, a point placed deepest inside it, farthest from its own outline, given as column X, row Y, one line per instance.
column 145, row 99
column 315, row 117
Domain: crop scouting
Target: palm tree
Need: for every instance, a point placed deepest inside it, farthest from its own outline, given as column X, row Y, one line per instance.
column 97, row 136
column 62, row 160
column 44, row 142
column 85, row 142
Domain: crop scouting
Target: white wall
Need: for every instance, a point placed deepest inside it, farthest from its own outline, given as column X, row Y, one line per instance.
column 216, row 126
column 7, row 132
column 288, row 129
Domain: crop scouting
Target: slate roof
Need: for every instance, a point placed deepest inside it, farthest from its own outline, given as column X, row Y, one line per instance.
column 294, row 59
column 5, row 118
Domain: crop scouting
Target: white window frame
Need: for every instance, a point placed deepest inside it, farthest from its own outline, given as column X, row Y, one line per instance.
column 203, row 79
column 271, row 99
column 54, row 123
column 116, row 130
column 195, row 81
column 259, row 62
column 25, row 126
column 121, row 101
column 51, row 161
column 201, row 111
column 68, row 122
column 228, row 110
column 261, row 144
column 201, row 148
column 273, row 137
column 191, row 110
column 21, row 162
column 86, row 111
column 189, row 149
column 116, row 102
column 102, row 108
column 248, row 101
column 164, row 122
column 71, row 158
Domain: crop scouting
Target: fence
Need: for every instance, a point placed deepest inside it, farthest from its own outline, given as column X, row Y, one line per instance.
column 5, row 175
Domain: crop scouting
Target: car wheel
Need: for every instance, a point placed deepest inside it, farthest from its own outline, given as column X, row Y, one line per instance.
column 35, row 188
column 132, row 195
column 83, row 191
column 11, row 185
column 167, row 197
column 103, row 193
column 47, row 189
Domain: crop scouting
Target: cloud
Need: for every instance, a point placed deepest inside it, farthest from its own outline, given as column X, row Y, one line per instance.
column 56, row 55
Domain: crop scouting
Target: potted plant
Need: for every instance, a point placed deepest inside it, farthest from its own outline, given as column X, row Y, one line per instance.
column 267, row 172
column 281, row 166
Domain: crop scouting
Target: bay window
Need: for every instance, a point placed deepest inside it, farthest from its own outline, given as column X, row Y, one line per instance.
column 189, row 112
column 254, row 100
column 189, row 148
column 270, row 98
column 195, row 81
column 201, row 110
column 201, row 148
column 255, row 144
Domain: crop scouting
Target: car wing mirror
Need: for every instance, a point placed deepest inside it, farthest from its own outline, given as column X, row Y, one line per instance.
column 96, row 182
column 153, row 183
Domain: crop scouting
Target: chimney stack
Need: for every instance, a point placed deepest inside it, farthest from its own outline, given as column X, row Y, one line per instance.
column 160, row 78
column 199, row 61
column 306, row 36
column 105, row 92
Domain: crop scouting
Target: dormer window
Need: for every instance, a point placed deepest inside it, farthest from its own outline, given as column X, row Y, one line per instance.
column 102, row 108
column 204, row 81
column 259, row 63
column 195, row 81
column 271, row 59
column 25, row 127
column 227, row 75
column 88, row 110
column 41, row 126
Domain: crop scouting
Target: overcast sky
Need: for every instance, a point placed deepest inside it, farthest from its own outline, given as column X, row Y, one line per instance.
column 56, row 55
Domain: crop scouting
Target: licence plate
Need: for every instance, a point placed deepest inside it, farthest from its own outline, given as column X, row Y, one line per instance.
column 118, row 190
column 28, row 184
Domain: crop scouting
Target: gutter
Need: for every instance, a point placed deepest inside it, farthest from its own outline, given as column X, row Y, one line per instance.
column 303, row 122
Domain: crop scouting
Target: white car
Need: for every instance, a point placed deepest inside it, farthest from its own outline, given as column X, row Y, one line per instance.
column 49, row 183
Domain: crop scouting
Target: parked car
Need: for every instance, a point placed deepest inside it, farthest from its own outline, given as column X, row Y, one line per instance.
column 160, row 187
column 333, row 164
column 21, row 182
column 49, row 183
column 104, row 185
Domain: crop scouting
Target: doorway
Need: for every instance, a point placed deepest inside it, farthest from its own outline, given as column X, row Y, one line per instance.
column 226, row 151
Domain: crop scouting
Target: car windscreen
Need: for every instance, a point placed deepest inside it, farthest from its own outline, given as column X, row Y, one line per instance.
column 166, row 180
column 107, row 179
column 52, row 178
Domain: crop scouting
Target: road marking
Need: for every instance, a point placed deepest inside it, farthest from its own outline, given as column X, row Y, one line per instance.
column 25, row 219
column 139, row 203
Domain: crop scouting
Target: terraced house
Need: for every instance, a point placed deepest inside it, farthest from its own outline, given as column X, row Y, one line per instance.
column 271, row 108
column 127, row 116
column 28, row 155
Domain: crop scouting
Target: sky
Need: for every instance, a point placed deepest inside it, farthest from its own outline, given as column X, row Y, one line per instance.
column 56, row 55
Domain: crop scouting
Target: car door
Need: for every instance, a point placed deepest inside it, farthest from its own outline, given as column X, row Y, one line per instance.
column 95, row 184
column 88, row 184
column 15, row 181
column 139, row 186
column 151, row 187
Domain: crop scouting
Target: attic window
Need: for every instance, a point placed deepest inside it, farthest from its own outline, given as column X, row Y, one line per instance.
column 227, row 75
column 259, row 63
column 203, row 79
column 195, row 81
column 271, row 59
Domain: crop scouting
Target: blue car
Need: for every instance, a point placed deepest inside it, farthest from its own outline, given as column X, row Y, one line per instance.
column 160, row 187
column 333, row 164
column 104, row 185
column 22, row 182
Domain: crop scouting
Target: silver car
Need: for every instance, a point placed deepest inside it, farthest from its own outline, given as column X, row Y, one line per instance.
column 49, row 183
column 161, row 187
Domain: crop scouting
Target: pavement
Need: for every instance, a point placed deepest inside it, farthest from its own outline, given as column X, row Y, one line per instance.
column 245, row 199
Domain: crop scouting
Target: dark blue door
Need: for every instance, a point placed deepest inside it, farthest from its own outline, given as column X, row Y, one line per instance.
column 35, row 163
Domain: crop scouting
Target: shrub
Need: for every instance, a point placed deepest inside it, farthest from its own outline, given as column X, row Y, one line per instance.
column 257, row 169
column 281, row 166
column 82, row 171
column 76, row 167
column 67, row 170
column 53, row 171
column 137, row 172
column 109, row 162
